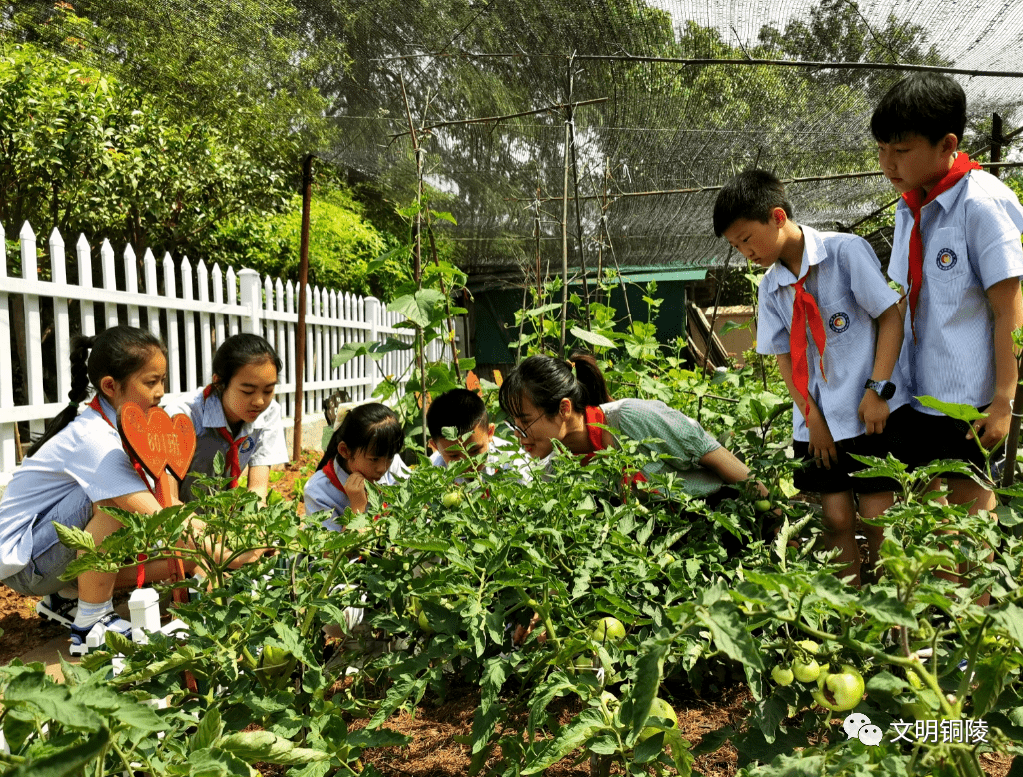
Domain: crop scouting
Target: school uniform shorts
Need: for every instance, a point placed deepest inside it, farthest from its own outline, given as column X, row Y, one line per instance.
column 49, row 556
column 919, row 438
column 810, row 477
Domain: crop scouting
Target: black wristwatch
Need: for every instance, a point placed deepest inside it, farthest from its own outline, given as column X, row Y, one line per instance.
column 884, row 388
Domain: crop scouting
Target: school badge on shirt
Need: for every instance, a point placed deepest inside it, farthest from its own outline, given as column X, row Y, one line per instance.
column 947, row 259
column 248, row 445
column 839, row 322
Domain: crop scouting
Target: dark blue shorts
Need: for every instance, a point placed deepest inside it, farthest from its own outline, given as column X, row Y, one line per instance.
column 919, row 438
column 49, row 556
column 810, row 477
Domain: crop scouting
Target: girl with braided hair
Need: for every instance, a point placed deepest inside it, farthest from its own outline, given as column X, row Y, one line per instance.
column 76, row 470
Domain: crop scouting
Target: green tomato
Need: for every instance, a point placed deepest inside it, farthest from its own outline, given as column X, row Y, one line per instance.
column 782, row 675
column 762, row 505
column 608, row 704
column 659, row 709
column 608, row 630
column 451, row 499
column 806, row 670
column 582, row 664
column 275, row 665
column 840, row 691
column 424, row 623
column 916, row 711
column 667, row 560
column 914, row 679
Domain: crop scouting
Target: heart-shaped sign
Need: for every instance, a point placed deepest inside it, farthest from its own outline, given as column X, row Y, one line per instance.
column 155, row 441
column 179, row 457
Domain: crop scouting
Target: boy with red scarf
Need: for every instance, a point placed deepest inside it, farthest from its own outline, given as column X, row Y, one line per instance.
column 957, row 255
column 828, row 315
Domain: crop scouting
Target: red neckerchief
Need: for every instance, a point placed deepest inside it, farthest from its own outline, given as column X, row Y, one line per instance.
column 594, row 415
column 233, row 463
column 331, row 474
column 140, row 571
column 335, row 481
column 916, row 200
column 805, row 312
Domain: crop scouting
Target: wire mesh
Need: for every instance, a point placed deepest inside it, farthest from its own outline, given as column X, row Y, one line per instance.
column 655, row 131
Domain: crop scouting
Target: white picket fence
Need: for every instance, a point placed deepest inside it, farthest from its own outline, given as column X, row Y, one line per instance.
column 193, row 309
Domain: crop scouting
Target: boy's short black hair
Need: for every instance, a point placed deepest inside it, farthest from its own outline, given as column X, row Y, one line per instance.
column 928, row 104
column 460, row 408
column 751, row 195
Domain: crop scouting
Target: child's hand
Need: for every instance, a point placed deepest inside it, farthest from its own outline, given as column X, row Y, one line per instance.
column 822, row 444
column 995, row 426
column 873, row 412
column 355, row 487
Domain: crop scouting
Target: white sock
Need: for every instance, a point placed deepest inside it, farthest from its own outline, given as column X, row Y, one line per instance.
column 89, row 613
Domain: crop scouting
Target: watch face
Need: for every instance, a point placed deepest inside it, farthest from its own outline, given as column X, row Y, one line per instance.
column 887, row 390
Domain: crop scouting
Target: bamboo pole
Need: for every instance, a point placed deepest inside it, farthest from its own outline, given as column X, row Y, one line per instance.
column 417, row 265
column 564, row 250
column 611, row 248
column 303, row 281
column 570, row 114
column 1012, row 438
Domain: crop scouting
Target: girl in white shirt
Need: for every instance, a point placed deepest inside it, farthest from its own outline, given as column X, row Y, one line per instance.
column 72, row 473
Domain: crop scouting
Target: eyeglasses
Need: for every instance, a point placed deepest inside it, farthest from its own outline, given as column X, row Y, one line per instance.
column 523, row 432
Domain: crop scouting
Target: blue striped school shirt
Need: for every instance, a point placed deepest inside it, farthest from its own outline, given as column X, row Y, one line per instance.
column 844, row 276
column 971, row 237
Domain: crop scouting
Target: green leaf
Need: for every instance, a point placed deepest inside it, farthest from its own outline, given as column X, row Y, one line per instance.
column 214, row 762
column 419, row 308
column 730, row 634
column 251, row 746
column 952, row 409
column 444, row 216
column 543, row 310
column 648, row 671
column 592, row 338
column 209, row 729
column 568, row 738
column 74, row 538
column 67, row 763
column 36, row 691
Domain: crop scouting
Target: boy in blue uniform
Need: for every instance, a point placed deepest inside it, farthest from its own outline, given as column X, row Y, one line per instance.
column 843, row 378
column 957, row 254
column 466, row 413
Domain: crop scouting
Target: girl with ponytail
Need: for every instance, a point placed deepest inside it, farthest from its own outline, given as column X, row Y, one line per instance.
column 549, row 399
column 76, row 470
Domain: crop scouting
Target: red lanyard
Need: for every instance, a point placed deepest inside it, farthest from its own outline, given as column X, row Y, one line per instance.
column 140, row 570
column 233, row 462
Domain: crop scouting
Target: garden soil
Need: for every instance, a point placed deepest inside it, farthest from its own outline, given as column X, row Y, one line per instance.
column 439, row 726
